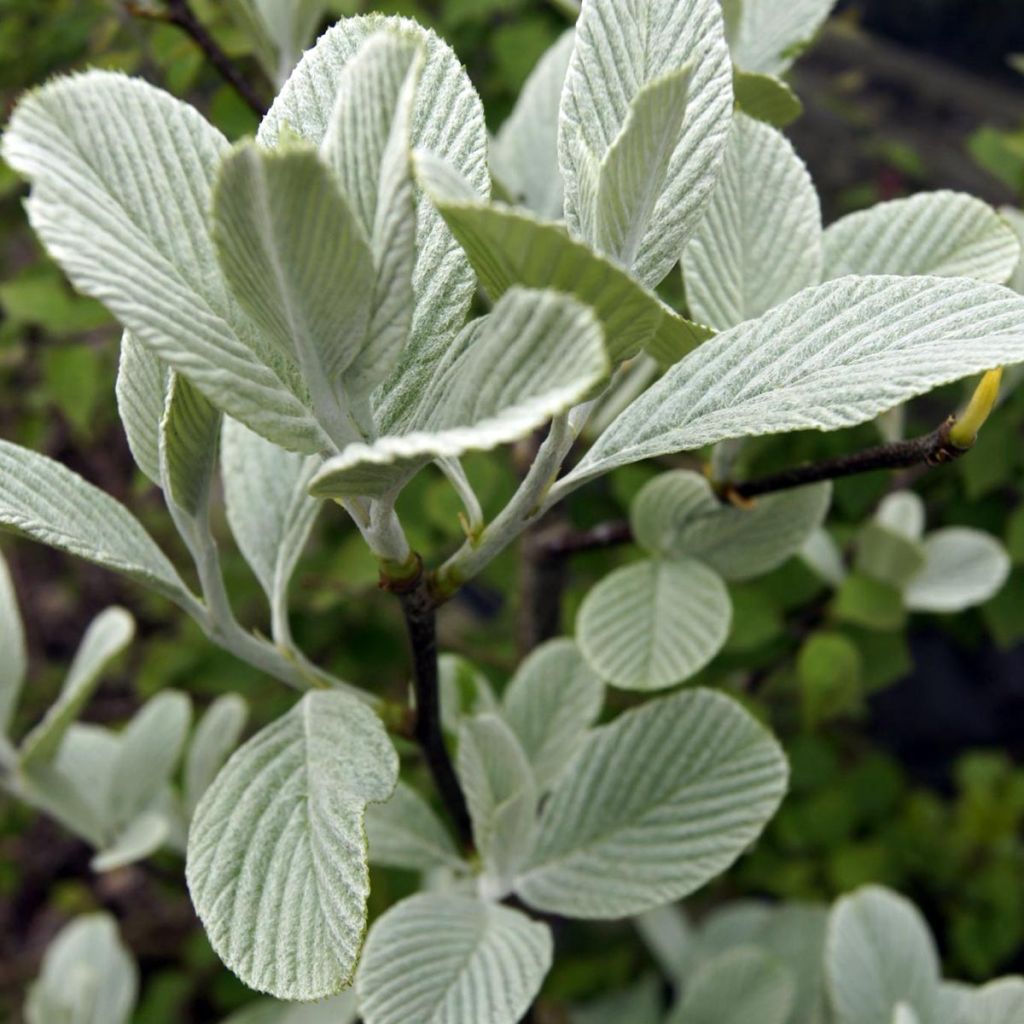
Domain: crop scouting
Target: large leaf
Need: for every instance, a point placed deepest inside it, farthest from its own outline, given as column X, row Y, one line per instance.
column 653, row 624
column 621, row 47
column 524, row 154
column 277, row 850
column 14, row 663
column 141, row 397
column 299, row 263
column 767, row 35
column 44, row 500
column 88, row 977
column 760, row 240
column 832, row 356
column 536, row 355
column 947, row 234
column 655, row 805
column 962, row 567
column 447, row 959
column 448, row 120
column 121, row 176
column 406, row 833
column 213, row 739
column 880, row 953
column 189, row 438
column 512, row 247
column 1000, row 1002
column 678, row 514
column 550, row 703
column 107, row 636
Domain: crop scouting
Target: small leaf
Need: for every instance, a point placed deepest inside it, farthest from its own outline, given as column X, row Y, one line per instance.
column 640, row 1003
column 446, row 959
column 903, row 513
column 823, row 556
column 654, row 624
column 406, row 833
column 962, row 568
column 189, row 437
column 214, row 738
column 107, row 636
column 677, row 514
column 766, row 98
column 465, row 691
column 141, row 396
column 88, row 976
column 795, row 933
column 14, row 663
column 864, row 601
column 830, row 673
column 551, row 702
column 617, row 835
column 336, row 1010
column 276, row 860
column 141, row 837
column 766, row 36
column 887, row 556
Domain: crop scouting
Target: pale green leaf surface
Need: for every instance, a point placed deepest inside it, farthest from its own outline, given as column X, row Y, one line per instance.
column 759, row 242
column 767, row 35
column 87, row 977
column 107, row 636
column 903, row 1014
column 656, row 804
column 655, row 623
column 189, row 439
column 448, row 959
column 824, row 556
column 946, row 234
column 290, row 25
column 336, row 1010
column 962, row 568
column 878, row 954
column 140, row 838
column 1015, row 218
column 276, row 859
column 832, row 356
column 999, row 1002
column 406, row 833
column 14, row 664
column 550, row 703
column 524, row 154
column 464, row 689
column 669, row 937
column 122, row 175
column 215, row 736
column 795, row 934
column 640, row 1003
column 141, row 395
column 903, row 513
column 887, row 556
column 678, row 514
column 740, row 922
column 621, row 47
column 766, row 97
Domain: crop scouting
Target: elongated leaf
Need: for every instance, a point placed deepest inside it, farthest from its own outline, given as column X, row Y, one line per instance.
column 677, row 514
column 290, row 25
column 824, row 557
column 465, row 691
column 512, row 247
column 669, row 937
column 551, row 702
column 406, row 833
column 947, row 234
column 621, row 47
column 766, row 98
column 189, row 437
column 880, row 953
column 742, row 986
column 448, row 120
column 999, row 1002
column 107, row 636
column 656, row 805
column 768, row 35
column 502, row 796
column 14, row 664
column 903, row 513
column 830, row 357
column 654, row 624
column 141, row 837
column 121, row 176
column 524, row 154
column 277, row 851
column 141, row 396
column 270, row 512
column 635, row 170
column 446, row 959
column 41, row 499
column 760, row 240
column 536, row 355
column 88, row 976
column 962, row 567
column 214, row 738
column 1015, row 218
column 795, row 934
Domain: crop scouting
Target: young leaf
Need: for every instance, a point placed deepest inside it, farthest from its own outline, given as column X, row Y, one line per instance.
column 290, row 25
column 620, row 49
column 618, row 836
column 406, row 833
column 108, row 158
column 337, row 1010
column 653, row 624
column 887, row 556
column 551, row 702
column 88, row 976
column 678, row 514
column 44, row 500
column 189, row 436
column 766, row 98
column 297, row 260
column 140, row 838
column 524, row 154
column 832, row 356
column 447, row 959
column 141, row 397
column 760, row 240
column 214, row 738
column 946, row 234
column 465, row 691
column 640, row 1003
column 962, row 568
column 537, row 354
column 795, row 933
column 670, row 938
column 107, row 636
column 823, row 556
column 768, row 35
column 276, row 860
column 902, row 512
column 879, row 953
column 14, row 663
column 502, row 796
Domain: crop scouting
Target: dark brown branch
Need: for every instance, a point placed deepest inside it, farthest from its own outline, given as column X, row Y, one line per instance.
column 419, row 607
column 180, row 14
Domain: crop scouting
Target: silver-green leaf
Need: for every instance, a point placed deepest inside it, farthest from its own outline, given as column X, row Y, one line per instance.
column 214, row 738
column 14, row 664
column 406, row 833
column 962, row 567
